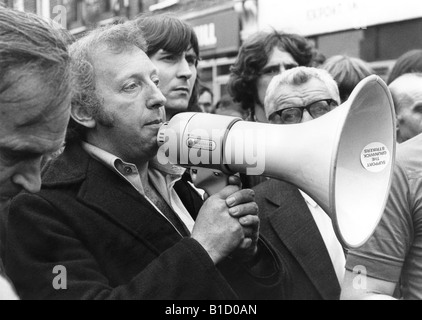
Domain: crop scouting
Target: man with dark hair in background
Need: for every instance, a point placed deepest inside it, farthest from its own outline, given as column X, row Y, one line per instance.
column 261, row 57
column 173, row 48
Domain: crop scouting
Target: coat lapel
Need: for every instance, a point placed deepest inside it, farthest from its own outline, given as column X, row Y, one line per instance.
column 114, row 198
column 298, row 231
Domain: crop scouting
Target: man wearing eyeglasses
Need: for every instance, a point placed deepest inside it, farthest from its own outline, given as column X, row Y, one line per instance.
column 300, row 230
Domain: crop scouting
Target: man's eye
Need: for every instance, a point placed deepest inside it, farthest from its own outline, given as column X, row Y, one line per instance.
column 156, row 82
column 192, row 60
column 418, row 109
column 130, row 87
column 170, row 58
column 271, row 71
column 10, row 156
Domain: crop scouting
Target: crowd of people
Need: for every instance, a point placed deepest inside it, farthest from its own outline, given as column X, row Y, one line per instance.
column 88, row 212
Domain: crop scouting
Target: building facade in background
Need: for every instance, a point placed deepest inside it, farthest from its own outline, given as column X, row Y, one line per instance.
column 220, row 24
column 79, row 15
column 377, row 31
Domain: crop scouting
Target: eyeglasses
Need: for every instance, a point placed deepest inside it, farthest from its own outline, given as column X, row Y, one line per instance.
column 294, row 115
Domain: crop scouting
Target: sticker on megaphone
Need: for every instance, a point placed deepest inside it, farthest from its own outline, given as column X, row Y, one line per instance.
column 375, row 157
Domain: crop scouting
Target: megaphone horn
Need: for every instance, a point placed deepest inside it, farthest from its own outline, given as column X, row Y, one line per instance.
column 343, row 160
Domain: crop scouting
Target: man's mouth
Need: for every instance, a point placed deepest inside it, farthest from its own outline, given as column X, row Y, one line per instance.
column 182, row 89
column 155, row 122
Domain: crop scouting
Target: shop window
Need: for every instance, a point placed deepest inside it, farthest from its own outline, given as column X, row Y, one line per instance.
column 223, row 69
column 74, row 13
column 19, row 5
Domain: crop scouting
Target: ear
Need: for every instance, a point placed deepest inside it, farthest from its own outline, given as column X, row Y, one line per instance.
column 82, row 116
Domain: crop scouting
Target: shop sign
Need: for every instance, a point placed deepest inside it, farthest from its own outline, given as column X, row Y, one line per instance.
column 206, row 35
column 312, row 17
column 218, row 33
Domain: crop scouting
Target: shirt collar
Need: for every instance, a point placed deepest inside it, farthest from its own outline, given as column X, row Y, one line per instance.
column 111, row 161
column 172, row 172
column 308, row 199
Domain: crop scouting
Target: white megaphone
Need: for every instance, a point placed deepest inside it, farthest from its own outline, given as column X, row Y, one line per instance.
column 344, row 160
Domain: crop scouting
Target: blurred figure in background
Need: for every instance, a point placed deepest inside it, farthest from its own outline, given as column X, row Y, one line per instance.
column 206, row 100
column 261, row 57
column 347, row 72
column 35, row 92
column 408, row 62
column 226, row 106
column 407, row 96
column 318, row 60
column 294, row 223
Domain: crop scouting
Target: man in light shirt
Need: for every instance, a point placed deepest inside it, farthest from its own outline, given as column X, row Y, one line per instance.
column 389, row 265
column 300, row 230
column 35, row 90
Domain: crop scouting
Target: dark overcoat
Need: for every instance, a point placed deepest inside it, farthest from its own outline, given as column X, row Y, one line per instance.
column 90, row 235
column 288, row 225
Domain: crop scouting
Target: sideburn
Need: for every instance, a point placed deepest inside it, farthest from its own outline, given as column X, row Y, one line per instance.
column 106, row 119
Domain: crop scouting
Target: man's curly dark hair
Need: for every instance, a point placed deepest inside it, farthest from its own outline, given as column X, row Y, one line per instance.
column 253, row 56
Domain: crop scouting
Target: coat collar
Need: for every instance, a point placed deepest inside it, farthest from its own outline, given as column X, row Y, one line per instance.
column 69, row 168
column 110, row 195
column 297, row 229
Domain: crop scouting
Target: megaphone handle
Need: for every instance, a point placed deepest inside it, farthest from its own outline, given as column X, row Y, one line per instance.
column 209, row 180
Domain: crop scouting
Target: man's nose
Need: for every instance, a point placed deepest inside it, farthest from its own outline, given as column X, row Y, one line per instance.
column 157, row 99
column 306, row 116
column 184, row 69
column 28, row 175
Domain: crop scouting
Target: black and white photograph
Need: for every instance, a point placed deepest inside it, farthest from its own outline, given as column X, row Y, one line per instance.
column 211, row 155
